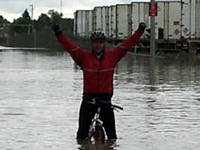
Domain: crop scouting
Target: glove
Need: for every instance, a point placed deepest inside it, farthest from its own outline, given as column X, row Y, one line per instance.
column 56, row 28
column 142, row 27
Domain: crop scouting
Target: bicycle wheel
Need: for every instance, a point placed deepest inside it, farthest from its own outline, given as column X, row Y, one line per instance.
column 99, row 135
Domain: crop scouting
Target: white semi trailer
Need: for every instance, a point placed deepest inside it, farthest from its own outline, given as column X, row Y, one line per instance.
column 112, row 21
column 176, row 19
column 191, row 18
column 101, row 19
column 83, row 22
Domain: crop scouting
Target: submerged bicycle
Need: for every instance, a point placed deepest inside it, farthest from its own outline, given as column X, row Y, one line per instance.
column 96, row 131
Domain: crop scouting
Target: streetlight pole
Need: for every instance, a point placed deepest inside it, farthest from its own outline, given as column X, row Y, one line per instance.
column 190, row 18
column 32, row 17
column 153, row 13
column 61, row 5
column 33, row 30
column 152, row 41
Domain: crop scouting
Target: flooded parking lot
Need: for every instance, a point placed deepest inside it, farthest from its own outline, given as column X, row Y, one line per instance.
column 40, row 95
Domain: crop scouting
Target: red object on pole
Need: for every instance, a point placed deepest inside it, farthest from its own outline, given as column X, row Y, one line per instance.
column 153, row 9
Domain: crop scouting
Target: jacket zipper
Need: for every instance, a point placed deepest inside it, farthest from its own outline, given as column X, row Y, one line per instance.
column 98, row 81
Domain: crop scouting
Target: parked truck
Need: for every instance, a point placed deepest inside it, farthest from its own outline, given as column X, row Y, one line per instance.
column 191, row 18
column 123, row 21
column 125, row 18
column 83, row 22
column 101, row 19
column 139, row 13
column 176, row 19
column 112, row 22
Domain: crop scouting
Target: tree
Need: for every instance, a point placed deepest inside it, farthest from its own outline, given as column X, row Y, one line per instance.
column 42, row 22
column 55, row 15
column 3, row 21
column 26, row 15
column 67, row 25
column 22, row 24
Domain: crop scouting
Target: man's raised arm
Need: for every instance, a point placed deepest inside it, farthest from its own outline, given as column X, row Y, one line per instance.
column 120, row 51
column 76, row 52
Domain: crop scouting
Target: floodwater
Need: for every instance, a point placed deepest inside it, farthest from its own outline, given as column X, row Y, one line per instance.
column 40, row 95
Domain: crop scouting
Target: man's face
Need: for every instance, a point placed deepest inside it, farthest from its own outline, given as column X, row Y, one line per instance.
column 98, row 46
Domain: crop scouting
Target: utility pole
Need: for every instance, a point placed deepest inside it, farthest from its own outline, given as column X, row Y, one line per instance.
column 33, row 30
column 152, row 13
column 190, row 18
column 61, row 5
column 31, row 12
column 32, row 17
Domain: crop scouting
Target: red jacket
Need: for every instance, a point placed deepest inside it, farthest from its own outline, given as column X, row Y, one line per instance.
column 98, row 73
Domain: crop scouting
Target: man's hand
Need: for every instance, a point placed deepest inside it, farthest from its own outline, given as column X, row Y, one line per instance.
column 142, row 27
column 56, row 28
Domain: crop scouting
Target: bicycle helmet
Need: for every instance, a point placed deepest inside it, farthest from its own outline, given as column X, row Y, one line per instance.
column 97, row 36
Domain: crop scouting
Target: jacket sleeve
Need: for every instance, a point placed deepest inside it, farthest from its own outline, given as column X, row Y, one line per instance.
column 76, row 53
column 120, row 51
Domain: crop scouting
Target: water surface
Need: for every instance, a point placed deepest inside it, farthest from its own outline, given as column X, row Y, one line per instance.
column 40, row 95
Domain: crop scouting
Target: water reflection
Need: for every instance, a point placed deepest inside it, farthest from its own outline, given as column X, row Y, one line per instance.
column 152, row 74
column 162, row 94
column 86, row 145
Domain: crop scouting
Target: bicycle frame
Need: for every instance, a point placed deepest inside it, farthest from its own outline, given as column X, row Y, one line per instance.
column 96, row 130
column 96, row 123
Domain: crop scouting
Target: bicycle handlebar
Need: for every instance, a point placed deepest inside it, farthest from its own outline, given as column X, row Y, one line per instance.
column 99, row 102
column 118, row 107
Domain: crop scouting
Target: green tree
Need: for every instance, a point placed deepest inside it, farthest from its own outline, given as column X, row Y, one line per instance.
column 42, row 22
column 22, row 24
column 67, row 25
column 3, row 21
column 55, row 15
column 26, row 15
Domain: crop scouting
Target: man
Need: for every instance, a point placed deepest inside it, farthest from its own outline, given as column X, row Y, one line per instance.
column 98, row 70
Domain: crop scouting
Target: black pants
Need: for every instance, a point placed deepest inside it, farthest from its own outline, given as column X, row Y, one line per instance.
column 87, row 112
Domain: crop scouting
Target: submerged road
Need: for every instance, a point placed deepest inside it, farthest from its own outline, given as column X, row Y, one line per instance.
column 40, row 95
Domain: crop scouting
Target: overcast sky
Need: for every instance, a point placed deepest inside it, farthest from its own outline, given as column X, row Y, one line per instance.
column 11, row 9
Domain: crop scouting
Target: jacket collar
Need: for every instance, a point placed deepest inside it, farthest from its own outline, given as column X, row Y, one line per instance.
column 99, row 56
